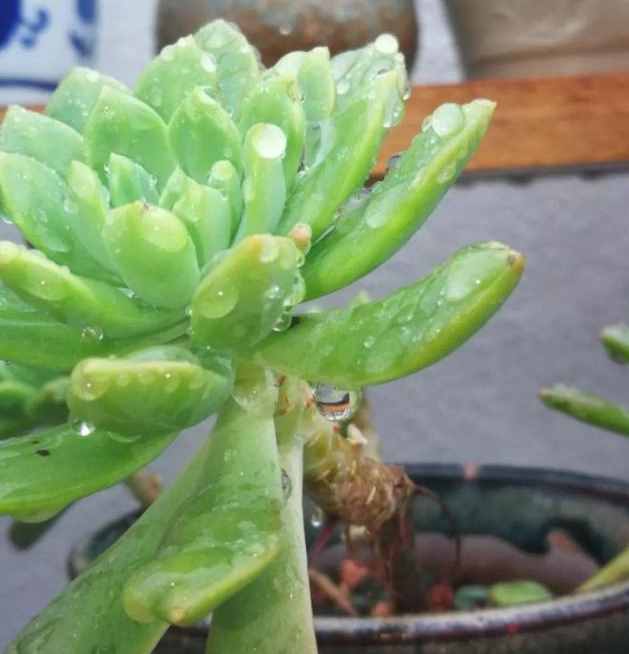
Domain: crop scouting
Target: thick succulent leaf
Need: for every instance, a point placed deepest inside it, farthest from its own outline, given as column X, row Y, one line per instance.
column 226, row 536
column 276, row 100
column 91, row 200
column 237, row 67
column 225, row 178
column 73, row 100
column 36, row 199
column 48, row 405
column 177, row 70
column 123, row 124
column 76, row 300
column 587, row 407
column 42, row 473
column 153, row 253
column 129, row 182
column 205, row 212
column 313, row 72
column 615, row 339
column 34, row 338
column 244, row 294
column 356, row 71
column 14, row 396
column 90, row 609
column 376, row 342
column 200, row 119
column 161, row 391
column 273, row 614
column 41, row 137
column 264, row 188
column 350, row 142
column 372, row 228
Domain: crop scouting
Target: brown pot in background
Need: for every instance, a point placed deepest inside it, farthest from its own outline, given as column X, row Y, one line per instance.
column 276, row 27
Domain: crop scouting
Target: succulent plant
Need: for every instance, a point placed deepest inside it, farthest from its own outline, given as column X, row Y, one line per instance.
column 172, row 229
column 599, row 412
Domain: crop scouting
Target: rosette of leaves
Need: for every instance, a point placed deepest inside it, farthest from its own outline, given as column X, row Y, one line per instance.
column 175, row 229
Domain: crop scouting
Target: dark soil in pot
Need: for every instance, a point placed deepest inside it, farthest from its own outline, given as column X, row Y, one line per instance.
column 558, row 524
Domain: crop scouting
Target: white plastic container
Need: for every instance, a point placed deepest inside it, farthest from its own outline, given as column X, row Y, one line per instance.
column 40, row 40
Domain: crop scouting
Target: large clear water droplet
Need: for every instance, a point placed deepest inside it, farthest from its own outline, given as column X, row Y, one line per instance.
column 448, row 119
column 335, row 404
column 83, row 428
column 219, row 301
column 317, row 517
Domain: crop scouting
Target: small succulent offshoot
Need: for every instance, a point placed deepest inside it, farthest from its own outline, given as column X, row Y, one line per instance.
column 605, row 414
column 175, row 229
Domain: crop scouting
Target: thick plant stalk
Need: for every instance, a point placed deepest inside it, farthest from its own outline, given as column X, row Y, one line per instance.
column 273, row 614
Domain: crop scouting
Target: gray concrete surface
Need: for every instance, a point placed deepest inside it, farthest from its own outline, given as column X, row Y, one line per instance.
column 480, row 405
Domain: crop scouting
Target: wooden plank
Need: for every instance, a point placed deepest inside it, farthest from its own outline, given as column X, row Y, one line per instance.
column 553, row 123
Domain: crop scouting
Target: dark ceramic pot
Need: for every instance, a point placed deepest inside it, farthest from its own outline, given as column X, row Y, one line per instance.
column 276, row 27
column 520, row 505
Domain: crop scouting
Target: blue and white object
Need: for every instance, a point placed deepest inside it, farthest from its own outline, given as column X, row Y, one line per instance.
column 40, row 40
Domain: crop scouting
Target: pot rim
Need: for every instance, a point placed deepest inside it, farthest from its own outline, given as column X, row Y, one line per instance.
column 456, row 626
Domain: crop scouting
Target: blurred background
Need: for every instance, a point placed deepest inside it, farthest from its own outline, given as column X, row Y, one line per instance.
column 480, row 405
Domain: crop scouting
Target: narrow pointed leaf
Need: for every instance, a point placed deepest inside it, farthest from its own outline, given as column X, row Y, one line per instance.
column 176, row 393
column 243, row 295
column 177, row 70
column 42, row 473
column 153, row 253
column 587, row 407
column 204, row 211
column 41, row 137
column 264, row 188
column 73, row 100
column 226, row 536
column 200, row 119
column 129, row 182
column 273, row 614
column 276, row 100
column 350, row 144
column 123, row 124
column 90, row 609
column 369, row 231
column 76, row 300
column 413, row 328
column 225, row 178
column 237, row 67
column 615, row 339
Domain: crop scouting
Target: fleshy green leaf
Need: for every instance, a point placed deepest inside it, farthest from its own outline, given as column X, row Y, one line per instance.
column 129, row 182
column 264, row 188
column 76, row 300
column 177, row 70
column 90, row 609
column 615, row 339
column 587, row 407
column 276, row 100
column 204, row 211
column 226, row 536
column 349, row 145
column 413, row 328
column 237, row 67
column 42, row 473
column 200, row 119
column 41, row 137
column 153, row 253
column 123, row 124
column 175, row 391
column 244, row 294
column 371, row 229
column 75, row 97
column 226, row 179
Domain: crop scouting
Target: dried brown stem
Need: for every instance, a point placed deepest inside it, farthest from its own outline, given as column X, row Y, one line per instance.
column 332, row 591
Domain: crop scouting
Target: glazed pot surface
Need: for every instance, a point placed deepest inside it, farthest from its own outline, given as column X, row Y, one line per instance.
column 518, row 505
